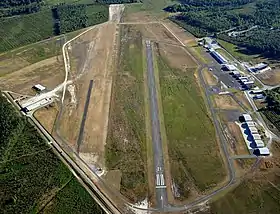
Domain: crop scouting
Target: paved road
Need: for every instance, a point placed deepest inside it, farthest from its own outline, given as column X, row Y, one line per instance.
column 161, row 194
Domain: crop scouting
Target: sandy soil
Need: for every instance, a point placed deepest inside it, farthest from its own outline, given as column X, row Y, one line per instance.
column 46, row 116
column 210, row 79
column 240, row 145
column 10, row 64
column 115, row 12
column 225, row 102
column 94, row 56
column 49, row 72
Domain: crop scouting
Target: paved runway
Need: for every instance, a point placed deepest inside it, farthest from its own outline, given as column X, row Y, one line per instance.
column 161, row 194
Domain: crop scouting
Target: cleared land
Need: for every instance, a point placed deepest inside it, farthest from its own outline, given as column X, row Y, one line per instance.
column 46, row 116
column 49, row 72
column 196, row 163
column 270, row 77
column 239, row 147
column 92, row 58
column 225, row 102
column 126, row 141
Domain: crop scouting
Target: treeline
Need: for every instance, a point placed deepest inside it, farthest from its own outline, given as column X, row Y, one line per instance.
column 215, row 2
column 69, row 18
column 25, row 9
column 203, row 18
column 17, row 3
column 116, row 1
column 272, row 110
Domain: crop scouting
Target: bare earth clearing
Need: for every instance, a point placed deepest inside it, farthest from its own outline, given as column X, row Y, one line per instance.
column 92, row 59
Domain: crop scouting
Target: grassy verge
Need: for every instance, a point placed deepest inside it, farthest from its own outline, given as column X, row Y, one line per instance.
column 31, row 176
column 126, row 141
column 192, row 146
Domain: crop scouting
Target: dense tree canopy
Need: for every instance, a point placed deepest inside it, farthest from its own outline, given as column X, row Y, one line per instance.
column 203, row 17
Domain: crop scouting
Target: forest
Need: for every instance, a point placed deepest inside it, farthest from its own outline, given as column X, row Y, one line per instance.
column 23, row 23
column 32, row 178
column 203, row 18
column 116, row 1
column 272, row 110
column 69, row 18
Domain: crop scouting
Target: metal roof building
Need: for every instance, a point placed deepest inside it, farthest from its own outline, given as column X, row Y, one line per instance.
column 253, row 130
column 39, row 87
column 219, row 58
column 262, row 151
column 250, row 124
column 256, row 137
column 247, row 117
column 259, row 143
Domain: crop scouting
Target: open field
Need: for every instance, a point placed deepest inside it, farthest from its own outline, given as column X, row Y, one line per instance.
column 196, row 164
column 270, row 77
column 49, row 72
column 126, row 141
column 47, row 116
column 148, row 10
column 225, row 102
column 32, row 177
column 83, row 123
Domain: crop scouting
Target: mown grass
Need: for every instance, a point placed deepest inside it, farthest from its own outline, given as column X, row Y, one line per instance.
column 126, row 140
column 31, row 175
column 193, row 149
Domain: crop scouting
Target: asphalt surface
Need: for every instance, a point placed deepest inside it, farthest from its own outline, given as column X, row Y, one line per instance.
column 161, row 193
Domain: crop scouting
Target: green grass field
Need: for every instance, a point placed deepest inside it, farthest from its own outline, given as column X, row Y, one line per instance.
column 22, row 30
column 126, row 140
column 234, row 51
column 32, row 178
column 192, row 145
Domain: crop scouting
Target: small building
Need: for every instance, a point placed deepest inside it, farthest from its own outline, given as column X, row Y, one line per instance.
column 243, row 78
column 256, row 137
column 229, row 67
column 249, row 83
column 247, row 118
column 259, row 143
column 236, row 73
column 253, row 130
column 250, row 124
column 259, row 96
column 257, row 92
column 39, row 87
column 262, row 151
